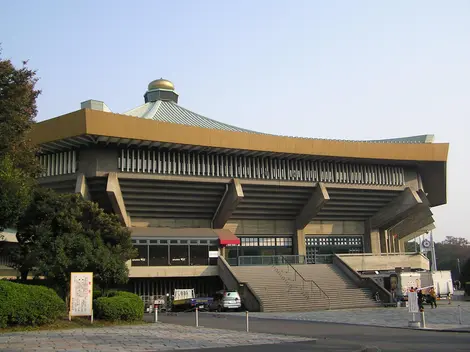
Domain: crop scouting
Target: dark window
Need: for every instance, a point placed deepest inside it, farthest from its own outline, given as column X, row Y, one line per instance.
column 199, row 255
column 158, row 255
column 142, row 257
column 284, row 250
column 178, row 255
column 251, row 251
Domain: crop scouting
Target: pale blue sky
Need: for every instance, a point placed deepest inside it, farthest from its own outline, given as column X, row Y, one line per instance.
column 330, row 69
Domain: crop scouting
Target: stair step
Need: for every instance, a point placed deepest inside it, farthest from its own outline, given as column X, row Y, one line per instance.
column 280, row 289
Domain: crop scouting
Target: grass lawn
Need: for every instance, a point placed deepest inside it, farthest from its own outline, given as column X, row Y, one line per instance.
column 76, row 323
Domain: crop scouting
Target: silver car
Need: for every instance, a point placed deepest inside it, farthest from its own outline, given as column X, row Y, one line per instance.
column 226, row 300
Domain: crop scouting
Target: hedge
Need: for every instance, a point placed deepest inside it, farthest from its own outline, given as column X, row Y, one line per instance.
column 119, row 305
column 28, row 304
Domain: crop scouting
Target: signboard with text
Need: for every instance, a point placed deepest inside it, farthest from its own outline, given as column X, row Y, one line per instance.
column 81, row 294
column 413, row 306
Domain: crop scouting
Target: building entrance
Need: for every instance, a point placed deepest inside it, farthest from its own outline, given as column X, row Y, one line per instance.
column 320, row 249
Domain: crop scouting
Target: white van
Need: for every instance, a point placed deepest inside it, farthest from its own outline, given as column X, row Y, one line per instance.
column 226, row 300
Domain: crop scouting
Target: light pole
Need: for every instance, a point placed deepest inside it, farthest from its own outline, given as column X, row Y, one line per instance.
column 433, row 253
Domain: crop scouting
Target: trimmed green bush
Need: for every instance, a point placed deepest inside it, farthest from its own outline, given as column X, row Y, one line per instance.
column 119, row 305
column 28, row 304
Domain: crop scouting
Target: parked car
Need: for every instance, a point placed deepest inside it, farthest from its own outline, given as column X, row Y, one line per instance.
column 226, row 300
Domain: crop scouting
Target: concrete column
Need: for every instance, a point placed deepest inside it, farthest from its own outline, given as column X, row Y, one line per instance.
column 383, row 241
column 81, row 187
column 299, row 243
column 371, row 239
column 403, row 206
column 419, row 232
column 113, row 189
column 223, row 251
column 401, row 246
column 228, row 204
column 413, row 224
column 375, row 241
column 316, row 201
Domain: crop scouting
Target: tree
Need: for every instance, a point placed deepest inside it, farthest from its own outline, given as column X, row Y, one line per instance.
column 60, row 234
column 449, row 251
column 465, row 275
column 456, row 241
column 18, row 163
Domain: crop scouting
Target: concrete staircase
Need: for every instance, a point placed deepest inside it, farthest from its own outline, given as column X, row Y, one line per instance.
column 281, row 289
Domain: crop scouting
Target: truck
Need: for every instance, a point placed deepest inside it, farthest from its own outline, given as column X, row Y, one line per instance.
column 185, row 299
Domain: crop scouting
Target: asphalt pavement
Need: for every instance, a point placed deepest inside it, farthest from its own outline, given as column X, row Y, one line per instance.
column 330, row 336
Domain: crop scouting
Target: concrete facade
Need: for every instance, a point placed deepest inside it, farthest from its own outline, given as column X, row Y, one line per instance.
column 385, row 262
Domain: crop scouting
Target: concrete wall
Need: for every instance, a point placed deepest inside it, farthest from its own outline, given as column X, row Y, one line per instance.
column 93, row 160
column 172, row 271
column 335, row 228
column 370, row 262
column 261, row 227
column 172, row 223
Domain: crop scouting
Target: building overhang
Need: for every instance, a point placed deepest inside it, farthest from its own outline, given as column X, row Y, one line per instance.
column 85, row 128
column 224, row 236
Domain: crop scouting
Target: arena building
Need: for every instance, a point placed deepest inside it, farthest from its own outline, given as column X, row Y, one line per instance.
column 206, row 200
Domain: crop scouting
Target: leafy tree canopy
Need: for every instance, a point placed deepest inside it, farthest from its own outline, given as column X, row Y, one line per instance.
column 18, row 164
column 456, row 241
column 60, row 234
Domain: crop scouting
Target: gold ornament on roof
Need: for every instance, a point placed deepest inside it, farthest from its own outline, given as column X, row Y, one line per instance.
column 161, row 84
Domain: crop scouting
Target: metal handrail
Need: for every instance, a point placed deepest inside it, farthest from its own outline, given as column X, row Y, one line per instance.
column 304, row 280
column 377, row 254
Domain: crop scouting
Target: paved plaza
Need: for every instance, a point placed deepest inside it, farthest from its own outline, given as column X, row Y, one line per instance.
column 444, row 317
column 148, row 337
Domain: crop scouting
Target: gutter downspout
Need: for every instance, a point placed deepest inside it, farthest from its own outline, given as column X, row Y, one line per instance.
column 218, row 207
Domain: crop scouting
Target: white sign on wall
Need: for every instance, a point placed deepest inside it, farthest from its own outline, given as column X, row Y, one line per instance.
column 213, row 254
column 413, row 306
column 81, row 294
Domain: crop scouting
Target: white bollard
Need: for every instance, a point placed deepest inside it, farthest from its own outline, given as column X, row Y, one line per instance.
column 155, row 309
column 423, row 320
column 247, row 323
column 460, row 315
column 197, row 317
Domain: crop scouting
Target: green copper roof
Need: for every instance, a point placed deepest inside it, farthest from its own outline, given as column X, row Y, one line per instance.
column 169, row 111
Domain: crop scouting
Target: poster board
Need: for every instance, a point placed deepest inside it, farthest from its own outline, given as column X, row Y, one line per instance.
column 413, row 306
column 81, row 295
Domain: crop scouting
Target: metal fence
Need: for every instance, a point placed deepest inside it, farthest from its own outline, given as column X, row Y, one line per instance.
column 270, row 260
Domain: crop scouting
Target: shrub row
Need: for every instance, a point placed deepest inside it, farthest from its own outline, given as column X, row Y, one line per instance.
column 28, row 305
column 119, row 305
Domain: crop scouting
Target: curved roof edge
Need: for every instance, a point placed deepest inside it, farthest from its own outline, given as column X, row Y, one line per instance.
column 100, row 123
column 168, row 111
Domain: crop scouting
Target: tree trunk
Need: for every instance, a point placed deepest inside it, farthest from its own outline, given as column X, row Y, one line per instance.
column 24, row 275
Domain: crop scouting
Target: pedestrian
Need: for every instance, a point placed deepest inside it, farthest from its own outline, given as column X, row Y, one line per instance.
column 449, row 297
column 432, row 293
column 420, row 300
